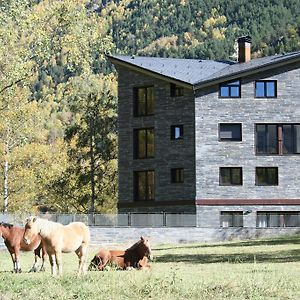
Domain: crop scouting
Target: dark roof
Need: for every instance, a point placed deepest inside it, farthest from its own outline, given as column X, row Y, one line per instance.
column 196, row 72
column 252, row 65
column 186, row 70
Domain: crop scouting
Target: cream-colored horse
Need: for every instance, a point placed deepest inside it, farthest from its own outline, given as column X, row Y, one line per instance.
column 59, row 238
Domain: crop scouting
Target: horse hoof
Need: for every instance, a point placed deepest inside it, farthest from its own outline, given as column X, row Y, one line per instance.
column 19, row 271
column 32, row 270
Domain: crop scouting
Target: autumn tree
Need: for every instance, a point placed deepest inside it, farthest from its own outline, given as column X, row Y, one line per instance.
column 90, row 182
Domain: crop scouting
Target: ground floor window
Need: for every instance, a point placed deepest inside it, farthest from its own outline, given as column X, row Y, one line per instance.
column 144, row 185
column 278, row 219
column 231, row 219
column 266, row 176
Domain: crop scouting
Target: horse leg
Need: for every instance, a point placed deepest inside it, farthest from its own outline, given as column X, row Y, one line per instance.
column 143, row 264
column 53, row 264
column 102, row 263
column 44, row 255
column 58, row 262
column 34, row 268
column 17, row 262
column 81, row 253
column 13, row 258
column 37, row 253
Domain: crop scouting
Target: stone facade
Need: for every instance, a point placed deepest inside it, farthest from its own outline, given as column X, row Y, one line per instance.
column 211, row 153
column 200, row 152
column 125, row 237
column 248, row 110
column 168, row 153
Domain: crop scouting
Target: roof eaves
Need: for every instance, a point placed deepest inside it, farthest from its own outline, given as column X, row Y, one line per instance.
column 146, row 71
column 247, row 72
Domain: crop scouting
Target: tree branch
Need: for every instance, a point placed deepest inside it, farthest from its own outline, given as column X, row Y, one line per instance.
column 12, row 84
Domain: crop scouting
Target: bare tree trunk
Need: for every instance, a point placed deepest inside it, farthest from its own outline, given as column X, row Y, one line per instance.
column 6, row 168
column 5, row 186
column 92, row 166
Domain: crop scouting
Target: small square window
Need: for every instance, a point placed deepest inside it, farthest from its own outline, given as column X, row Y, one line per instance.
column 176, row 132
column 231, row 176
column 230, row 132
column 266, row 176
column 176, row 90
column 230, row 89
column 177, row 175
column 266, row 89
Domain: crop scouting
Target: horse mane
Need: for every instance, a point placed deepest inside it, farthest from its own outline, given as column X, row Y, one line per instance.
column 6, row 225
column 45, row 225
column 134, row 246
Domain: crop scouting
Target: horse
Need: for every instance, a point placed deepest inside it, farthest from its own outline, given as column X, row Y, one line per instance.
column 59, row 239
column 135, row 257
column 13, row 240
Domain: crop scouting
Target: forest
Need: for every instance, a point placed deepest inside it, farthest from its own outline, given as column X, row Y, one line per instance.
column 58, row 92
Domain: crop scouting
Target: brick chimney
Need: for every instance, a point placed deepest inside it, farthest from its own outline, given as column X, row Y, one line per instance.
column 244, row 52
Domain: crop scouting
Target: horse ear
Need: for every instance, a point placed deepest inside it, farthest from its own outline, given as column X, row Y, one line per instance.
column 142, row 238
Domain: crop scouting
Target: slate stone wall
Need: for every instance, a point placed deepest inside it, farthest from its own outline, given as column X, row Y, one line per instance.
column 168, row 153
column 125, row 237
column 210, row 110
column 211, row 154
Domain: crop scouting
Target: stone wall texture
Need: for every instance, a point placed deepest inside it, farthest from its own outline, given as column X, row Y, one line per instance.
column 179, row 235
column 211, row 153
column 168, row 153
column 200, row 152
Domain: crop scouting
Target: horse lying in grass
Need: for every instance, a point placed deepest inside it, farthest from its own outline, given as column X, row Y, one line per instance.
column 13, row 240
column 59, row 238
column 134, row 257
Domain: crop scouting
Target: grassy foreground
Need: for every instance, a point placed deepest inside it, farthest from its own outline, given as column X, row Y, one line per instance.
column 257, row 269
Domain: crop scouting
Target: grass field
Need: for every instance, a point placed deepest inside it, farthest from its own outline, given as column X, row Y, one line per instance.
column 256, row 269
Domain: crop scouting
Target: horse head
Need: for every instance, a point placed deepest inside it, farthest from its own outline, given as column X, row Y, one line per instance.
column 4, row 227
column 31, row 230
column 145, row 247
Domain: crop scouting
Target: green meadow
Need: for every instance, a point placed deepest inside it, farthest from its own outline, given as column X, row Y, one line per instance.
column 254, row 269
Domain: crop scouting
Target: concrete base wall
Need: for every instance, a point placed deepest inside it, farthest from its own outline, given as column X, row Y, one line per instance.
column 126, row 236
column 176, row 235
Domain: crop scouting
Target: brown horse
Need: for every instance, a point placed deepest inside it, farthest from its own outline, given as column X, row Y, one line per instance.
column 13, row 239
column 134, row 257
column 59, row 238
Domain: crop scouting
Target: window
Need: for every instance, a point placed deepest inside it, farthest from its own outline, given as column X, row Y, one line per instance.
column 266, row 176
column 230, row 132
column 144, row 185
column 144, row 143
column 278, row 139
column 176, row 90
column 230, row 89
column 266, row 89
column 231, row 176
column 177, row 175
column 176, row 132
column 231, row 219
column 278, row 219
column 144, row 101
column 266, row 139
column 290, row 138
